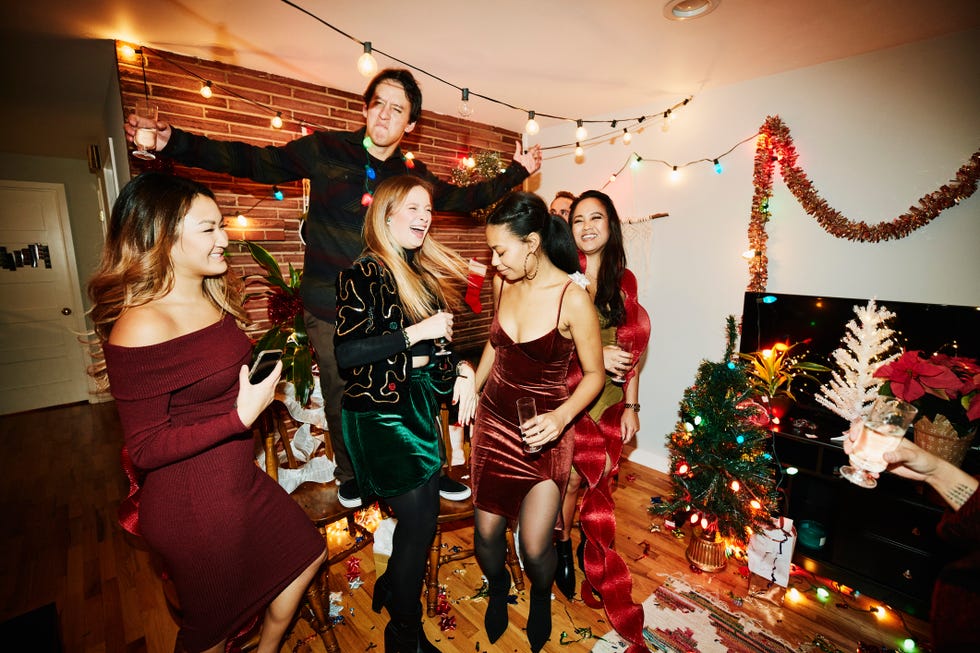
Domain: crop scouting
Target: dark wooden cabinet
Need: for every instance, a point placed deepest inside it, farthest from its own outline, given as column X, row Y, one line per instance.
column 881, row 542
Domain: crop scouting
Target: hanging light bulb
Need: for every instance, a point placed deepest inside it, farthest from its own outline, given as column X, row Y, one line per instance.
column 366, row 64
column 666, row 125
column 717, row 166
column 635, row 161
column 242, row 220
column 409, row 160
column 581, row 133
column 277, row 120
column 578, row 150
column 675, row 174
column 531, row 127
column 612, row 178
column 627, row 137
column 463, row 108
column 206, row 90
column 277, row 193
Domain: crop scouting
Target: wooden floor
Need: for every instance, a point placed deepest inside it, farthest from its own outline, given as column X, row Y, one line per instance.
column 60, row 484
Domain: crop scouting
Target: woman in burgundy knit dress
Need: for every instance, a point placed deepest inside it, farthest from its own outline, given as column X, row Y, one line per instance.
column 168, row 318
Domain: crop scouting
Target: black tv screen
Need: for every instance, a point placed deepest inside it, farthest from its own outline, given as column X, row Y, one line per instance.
column 820, row 322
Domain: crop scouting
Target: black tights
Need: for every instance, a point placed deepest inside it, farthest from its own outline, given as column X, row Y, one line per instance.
column 417, row 511
column 536, row 525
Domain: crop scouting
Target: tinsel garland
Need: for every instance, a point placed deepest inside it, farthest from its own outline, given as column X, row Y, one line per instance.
column 776, row 145
column 485, row 166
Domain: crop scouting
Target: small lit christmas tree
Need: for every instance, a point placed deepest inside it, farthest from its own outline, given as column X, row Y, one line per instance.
column 721, row 468
column 867, row 345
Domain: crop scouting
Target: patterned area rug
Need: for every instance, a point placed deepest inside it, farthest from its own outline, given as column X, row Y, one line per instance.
column 679, row 619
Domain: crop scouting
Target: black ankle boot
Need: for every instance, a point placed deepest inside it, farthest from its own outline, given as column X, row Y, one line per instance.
column 495, row 620
column 539, row 619
column 382, row 593
column 580, row 553
column 406, row 636
column 565, row 572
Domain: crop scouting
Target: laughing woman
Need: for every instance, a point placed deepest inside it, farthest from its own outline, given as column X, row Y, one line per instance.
column 389, row 312
column 168, row 316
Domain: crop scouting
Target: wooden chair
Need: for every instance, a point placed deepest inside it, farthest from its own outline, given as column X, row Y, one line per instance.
column 320, row 503
column 454, row 511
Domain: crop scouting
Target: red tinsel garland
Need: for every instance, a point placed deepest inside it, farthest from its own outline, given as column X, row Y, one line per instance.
column 776, row 145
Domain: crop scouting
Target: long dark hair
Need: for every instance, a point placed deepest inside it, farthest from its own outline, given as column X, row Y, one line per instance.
column 609, row 276
column 525, row 213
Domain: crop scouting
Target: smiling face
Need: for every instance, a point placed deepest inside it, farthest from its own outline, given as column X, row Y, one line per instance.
column 409, row 223
column 387, row 114
column 200, row 248
column 590, row 226
column 509, row 251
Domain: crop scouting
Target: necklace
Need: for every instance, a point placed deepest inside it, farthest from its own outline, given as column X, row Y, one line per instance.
column 370, row 174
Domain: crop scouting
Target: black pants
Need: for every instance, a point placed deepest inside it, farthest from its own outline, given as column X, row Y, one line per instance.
column 332, row 386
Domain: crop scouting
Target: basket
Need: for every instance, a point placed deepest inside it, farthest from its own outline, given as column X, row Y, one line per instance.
column 943, row 442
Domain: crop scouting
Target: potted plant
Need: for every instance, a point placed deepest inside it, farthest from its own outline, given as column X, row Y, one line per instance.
column 771, row 373
column 945, row 390
column 288, row 330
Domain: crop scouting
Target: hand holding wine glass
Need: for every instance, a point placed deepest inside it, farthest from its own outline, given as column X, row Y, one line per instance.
column 145, row 135
column 883, row 430
column 442, row 344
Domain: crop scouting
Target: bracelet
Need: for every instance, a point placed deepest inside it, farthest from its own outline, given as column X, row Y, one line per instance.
column 461, row 364
column 635, row 407
column 408, row 341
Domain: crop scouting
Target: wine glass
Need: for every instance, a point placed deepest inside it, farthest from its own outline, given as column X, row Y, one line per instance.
column 145, row 138
column 442, row 344
column 883, row 430
column 526, row 410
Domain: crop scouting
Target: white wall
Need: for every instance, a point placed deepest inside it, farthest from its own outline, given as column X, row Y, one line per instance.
column 874, row 133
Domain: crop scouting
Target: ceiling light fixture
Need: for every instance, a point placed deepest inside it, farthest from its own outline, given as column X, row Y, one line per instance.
column 680, row 10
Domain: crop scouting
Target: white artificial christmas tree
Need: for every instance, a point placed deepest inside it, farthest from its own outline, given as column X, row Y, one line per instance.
column 867, row 345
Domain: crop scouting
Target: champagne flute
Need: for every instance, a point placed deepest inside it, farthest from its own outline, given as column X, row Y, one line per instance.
column 626, row 344
column 526, row 410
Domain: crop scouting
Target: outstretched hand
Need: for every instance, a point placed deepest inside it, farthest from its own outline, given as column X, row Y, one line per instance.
column 531, row 160
column 134, row 122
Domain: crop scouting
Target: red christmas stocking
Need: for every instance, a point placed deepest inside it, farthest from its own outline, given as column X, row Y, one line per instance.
column 474, row 282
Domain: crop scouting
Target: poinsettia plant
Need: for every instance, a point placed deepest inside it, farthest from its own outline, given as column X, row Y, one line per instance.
column 288, row 330
column 938, row 385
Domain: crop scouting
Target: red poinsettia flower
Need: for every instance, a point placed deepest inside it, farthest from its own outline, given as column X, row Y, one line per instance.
column 910, row 376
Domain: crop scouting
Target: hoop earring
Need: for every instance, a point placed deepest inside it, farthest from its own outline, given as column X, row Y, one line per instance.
column 528, row 275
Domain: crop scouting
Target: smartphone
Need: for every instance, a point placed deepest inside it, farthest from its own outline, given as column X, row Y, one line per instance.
column 264, row 363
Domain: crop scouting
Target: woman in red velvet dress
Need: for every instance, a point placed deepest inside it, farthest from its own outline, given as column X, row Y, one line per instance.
column 610, row 421
column 542, row 317
column 168, row 318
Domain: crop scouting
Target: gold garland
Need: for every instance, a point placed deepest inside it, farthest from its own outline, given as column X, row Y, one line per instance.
column 775, row 144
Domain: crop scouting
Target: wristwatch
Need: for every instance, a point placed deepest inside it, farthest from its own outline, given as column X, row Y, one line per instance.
column 635, row 407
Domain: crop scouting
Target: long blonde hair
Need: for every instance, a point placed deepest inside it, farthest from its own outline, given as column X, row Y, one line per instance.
column 136, row 268
column 436, row 278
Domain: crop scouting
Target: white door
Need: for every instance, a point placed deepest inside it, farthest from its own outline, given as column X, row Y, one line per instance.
column 42, row 362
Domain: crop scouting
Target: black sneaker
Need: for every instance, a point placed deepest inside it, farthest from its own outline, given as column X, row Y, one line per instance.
column 453, row 490
column 349, row 494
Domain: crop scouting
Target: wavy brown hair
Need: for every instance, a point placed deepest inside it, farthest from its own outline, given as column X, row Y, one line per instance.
column 437, row 275
column 135, row 267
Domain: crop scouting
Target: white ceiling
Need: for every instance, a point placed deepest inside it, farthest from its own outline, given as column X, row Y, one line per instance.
column 563, row 57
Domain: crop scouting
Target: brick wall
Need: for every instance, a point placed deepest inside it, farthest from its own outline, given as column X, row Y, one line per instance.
column 440, row 141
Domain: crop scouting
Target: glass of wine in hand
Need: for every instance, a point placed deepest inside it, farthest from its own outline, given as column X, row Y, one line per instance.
column 442, row 344
column 882, row 431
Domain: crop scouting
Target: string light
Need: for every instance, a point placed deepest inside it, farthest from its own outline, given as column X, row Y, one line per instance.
column 206, row 90
column 717, row 166
column 531, row 127
column 579, row 152
column 463, row 108
column 675, row 174
column 241, row 220
column 277, row 193
column 666, row 124
column 627, row 137
column 581, row 133
column 366, row 63
column 277, row 120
